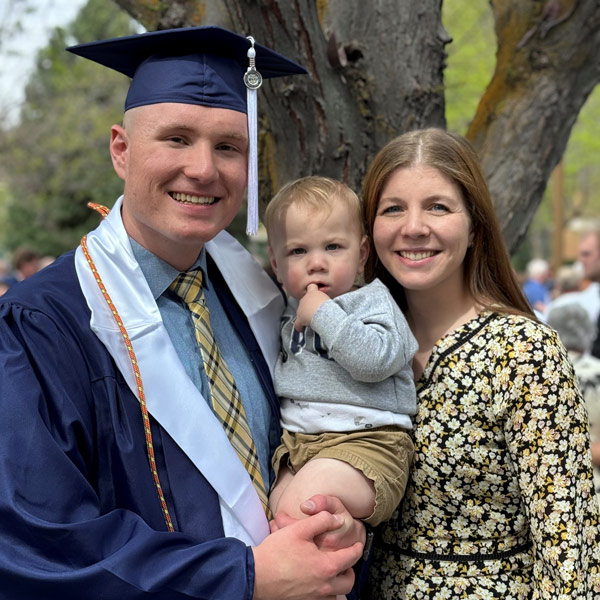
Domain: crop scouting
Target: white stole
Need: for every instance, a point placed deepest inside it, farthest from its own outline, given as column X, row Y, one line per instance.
column 171, row 397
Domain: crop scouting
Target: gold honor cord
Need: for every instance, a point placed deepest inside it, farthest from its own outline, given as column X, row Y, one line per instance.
column 136, row 371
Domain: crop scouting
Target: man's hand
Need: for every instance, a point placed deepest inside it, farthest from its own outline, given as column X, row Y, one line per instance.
column 290, row 566
column 308, row 306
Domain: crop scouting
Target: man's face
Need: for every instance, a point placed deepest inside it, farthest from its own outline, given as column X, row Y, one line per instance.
column 589, row 257
column 185, row 169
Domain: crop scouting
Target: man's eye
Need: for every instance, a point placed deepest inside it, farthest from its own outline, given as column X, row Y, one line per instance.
column 177, row 139
column 229, row 148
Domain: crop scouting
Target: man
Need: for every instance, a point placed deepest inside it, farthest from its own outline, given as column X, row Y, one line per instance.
column 118, row 478
column 589, row 257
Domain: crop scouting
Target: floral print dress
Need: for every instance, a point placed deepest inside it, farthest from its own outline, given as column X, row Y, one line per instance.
column 500, row 502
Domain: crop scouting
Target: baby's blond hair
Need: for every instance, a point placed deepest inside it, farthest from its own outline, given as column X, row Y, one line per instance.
column 314, row 192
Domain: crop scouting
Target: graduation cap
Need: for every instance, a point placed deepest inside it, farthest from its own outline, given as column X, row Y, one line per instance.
column 209, row 66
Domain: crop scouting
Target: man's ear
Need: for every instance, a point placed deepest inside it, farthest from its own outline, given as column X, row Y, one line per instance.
column 364, row 253
column 119, row 146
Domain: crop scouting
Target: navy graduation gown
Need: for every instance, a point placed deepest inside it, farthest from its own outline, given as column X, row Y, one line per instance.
column 79, row 513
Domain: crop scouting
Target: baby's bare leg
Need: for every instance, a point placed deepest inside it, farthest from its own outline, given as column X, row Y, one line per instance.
column 324, row 476
column 284, row 478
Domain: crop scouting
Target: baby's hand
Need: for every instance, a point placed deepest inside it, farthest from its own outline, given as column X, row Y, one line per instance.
column 308, row 306
column 279, row 521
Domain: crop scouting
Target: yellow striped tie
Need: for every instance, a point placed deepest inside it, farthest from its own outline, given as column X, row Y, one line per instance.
column 225, row 397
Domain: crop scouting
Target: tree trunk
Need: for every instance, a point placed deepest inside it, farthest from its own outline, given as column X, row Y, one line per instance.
column 376, row 70
column 548, row 62
column 386, row 78
column 358, row 94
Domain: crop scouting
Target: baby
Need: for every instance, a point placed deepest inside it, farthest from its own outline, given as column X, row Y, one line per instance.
column 344, row 375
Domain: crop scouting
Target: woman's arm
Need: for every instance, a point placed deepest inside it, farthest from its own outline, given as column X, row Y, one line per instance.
column 548, row 440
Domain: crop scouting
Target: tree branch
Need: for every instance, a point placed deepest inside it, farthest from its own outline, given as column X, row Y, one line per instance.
column 547, row 65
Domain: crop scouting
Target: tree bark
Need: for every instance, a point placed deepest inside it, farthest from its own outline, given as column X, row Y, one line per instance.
column 376, row 70
column 386, row 78
column 548, row 62
column 168, row 14
column 372, row 74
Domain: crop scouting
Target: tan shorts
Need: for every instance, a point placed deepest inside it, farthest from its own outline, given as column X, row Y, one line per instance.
column 382, row 454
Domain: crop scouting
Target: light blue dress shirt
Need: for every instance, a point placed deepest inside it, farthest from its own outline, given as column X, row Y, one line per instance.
column 180, row 327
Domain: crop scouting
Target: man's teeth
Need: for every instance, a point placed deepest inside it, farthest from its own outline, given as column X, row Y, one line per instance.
column 416, row 255
column 192, row 199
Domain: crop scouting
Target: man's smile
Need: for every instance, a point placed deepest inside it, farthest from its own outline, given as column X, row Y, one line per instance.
column 190, row 199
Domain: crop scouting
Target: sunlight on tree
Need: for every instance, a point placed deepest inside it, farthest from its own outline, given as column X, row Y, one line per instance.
column 471, row 63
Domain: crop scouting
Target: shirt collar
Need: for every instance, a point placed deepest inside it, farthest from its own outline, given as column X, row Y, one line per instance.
column 157, row 272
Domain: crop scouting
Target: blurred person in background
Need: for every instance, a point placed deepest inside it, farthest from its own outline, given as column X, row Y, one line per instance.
column 576, row 331
column 4, row 276
column 589, row 257
column 45, row 261
column 535, row 287
column 568, row 287
column 26, row 262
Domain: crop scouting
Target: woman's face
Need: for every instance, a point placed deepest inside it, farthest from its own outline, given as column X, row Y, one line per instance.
column 421, row 231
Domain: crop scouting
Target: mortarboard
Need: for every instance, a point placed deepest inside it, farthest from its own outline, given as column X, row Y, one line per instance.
column 209, row 66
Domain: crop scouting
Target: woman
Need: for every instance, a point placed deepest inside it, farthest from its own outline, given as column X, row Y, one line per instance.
column 500, row 503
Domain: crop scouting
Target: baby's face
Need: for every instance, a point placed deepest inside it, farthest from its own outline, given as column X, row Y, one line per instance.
column 315, row 247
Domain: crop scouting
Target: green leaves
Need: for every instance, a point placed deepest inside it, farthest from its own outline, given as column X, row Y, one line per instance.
column 56, row 159
column 471, row 59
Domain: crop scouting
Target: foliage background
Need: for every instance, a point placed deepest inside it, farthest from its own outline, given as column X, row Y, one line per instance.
column 55, row 160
